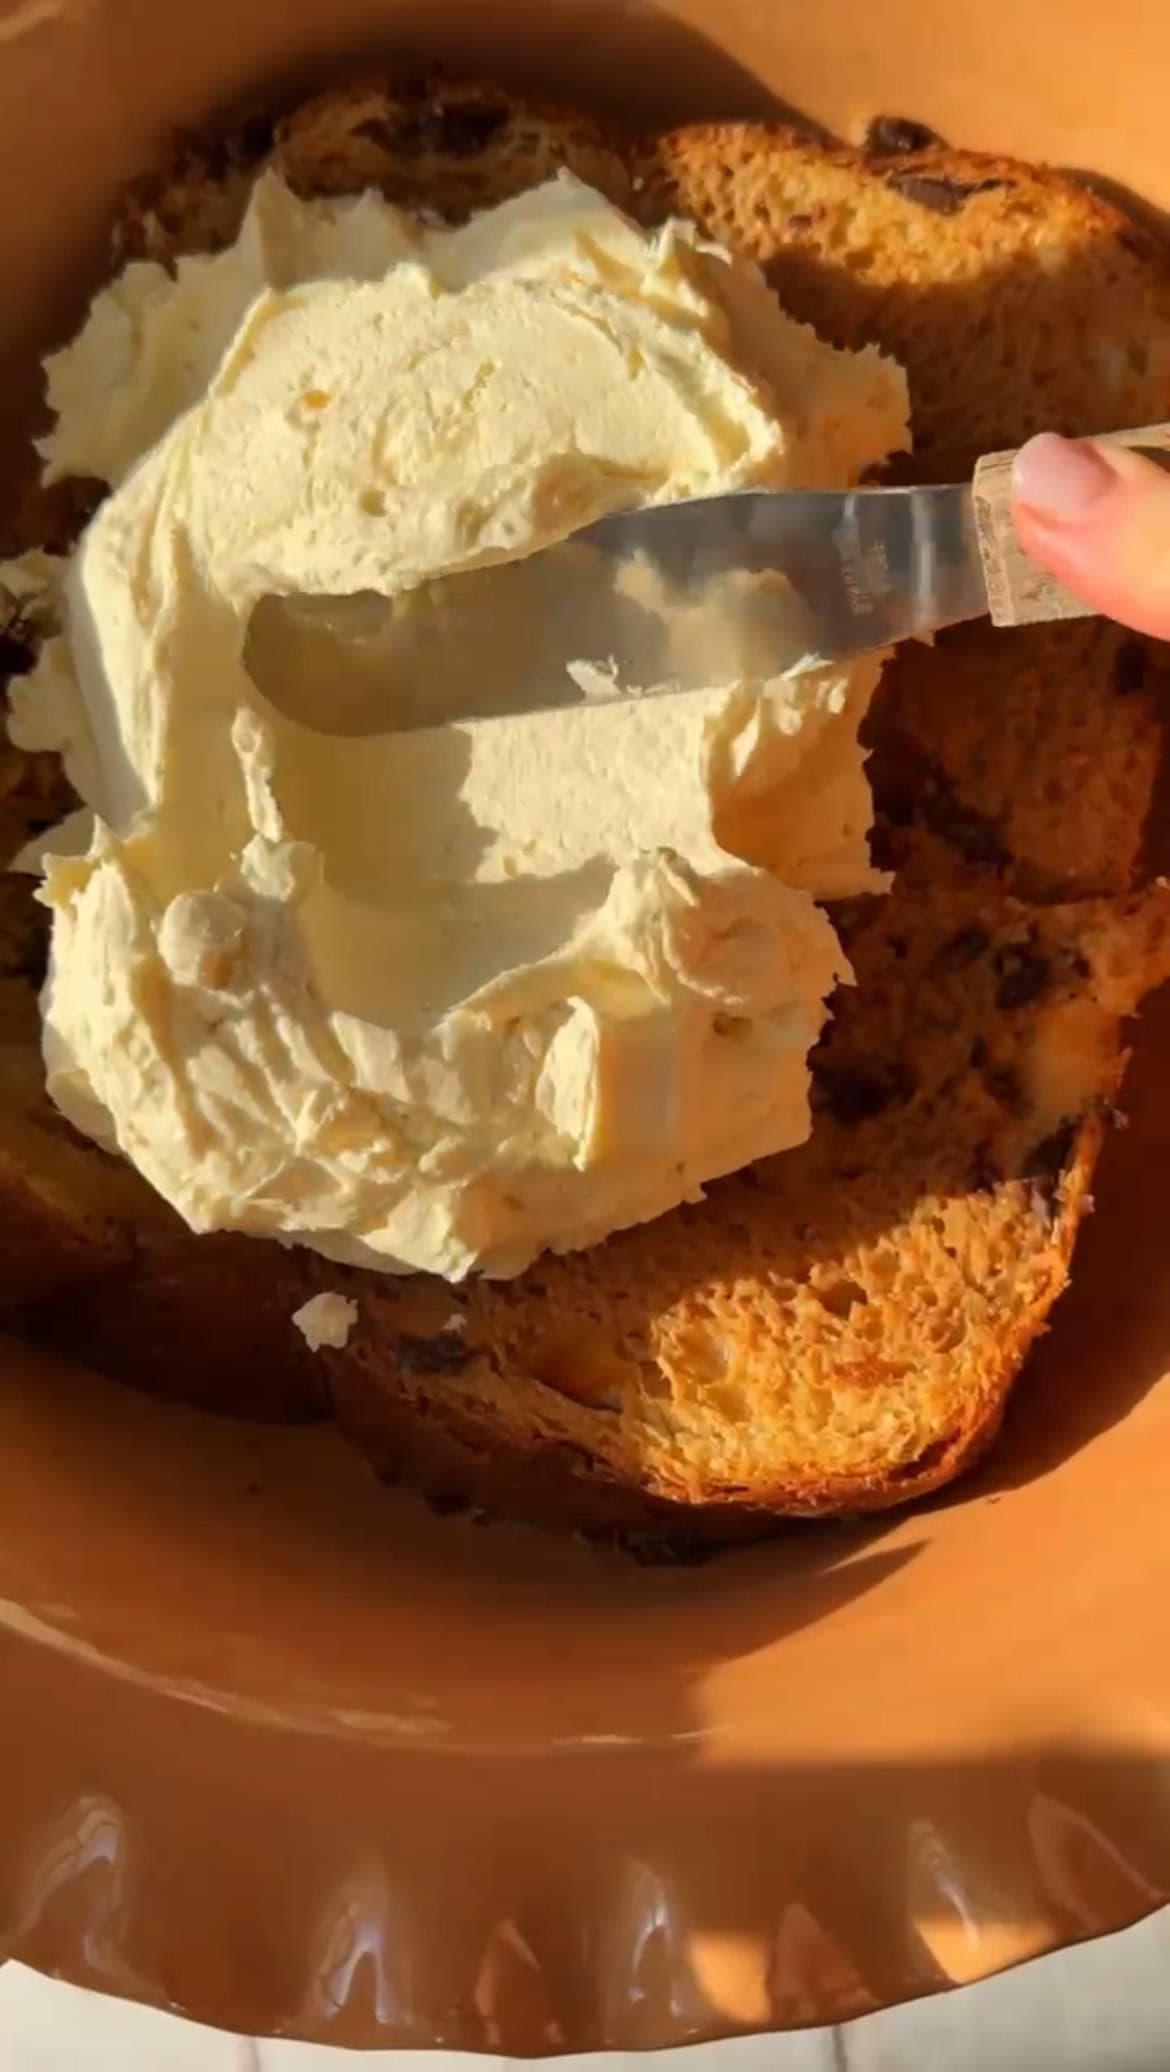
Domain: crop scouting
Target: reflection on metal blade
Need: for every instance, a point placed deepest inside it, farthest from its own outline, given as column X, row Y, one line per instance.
column 676, row 598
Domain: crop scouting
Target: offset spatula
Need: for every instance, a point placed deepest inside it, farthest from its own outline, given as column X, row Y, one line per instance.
column 673, row 598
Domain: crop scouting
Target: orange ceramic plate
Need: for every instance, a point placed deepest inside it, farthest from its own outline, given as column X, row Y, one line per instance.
column 279, row 1752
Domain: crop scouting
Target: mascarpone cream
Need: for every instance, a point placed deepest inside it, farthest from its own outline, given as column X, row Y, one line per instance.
column 435, row 999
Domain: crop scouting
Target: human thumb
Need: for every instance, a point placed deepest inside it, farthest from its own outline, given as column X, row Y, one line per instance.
column 1097, row 516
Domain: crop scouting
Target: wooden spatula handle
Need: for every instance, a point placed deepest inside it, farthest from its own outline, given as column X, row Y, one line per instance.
column 1020, row 593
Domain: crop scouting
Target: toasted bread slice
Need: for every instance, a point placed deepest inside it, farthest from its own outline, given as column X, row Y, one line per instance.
column 427, row 142
column 836, row 1329
column 1017, row 302
column 999, row 264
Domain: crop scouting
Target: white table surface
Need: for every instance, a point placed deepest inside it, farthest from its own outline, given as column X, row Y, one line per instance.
column 1102, row 2008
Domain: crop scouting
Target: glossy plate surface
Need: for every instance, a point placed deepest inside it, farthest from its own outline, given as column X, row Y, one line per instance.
column 281, row 1752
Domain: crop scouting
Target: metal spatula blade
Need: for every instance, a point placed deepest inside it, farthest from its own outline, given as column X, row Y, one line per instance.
column 861, row 568
column 673, row 598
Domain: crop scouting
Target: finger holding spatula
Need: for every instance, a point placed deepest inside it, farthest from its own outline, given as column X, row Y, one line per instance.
column 1096, row 515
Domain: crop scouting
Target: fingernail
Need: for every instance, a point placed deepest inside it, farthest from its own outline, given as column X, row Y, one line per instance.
column 1060, row 479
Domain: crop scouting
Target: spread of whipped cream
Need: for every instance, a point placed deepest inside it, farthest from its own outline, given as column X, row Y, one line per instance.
column 325, row 1321
column 436, row 999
